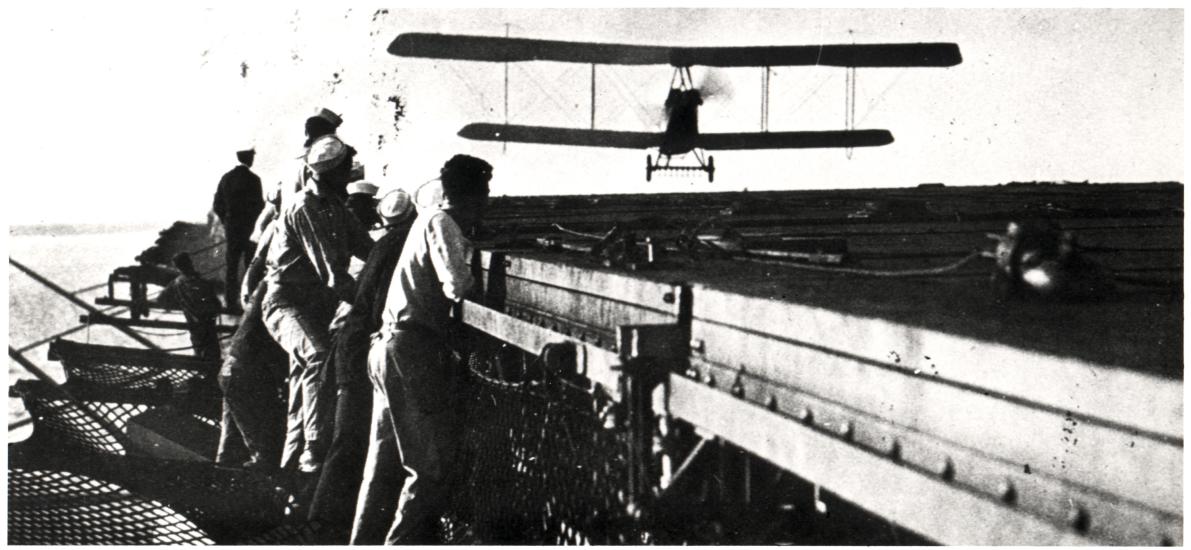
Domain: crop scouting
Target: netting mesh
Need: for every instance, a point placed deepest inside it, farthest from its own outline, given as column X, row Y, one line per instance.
column 129, row 376
column 66, row 421
column 228, row 505
column 56, row 507
column 129, row 369
column 538, row 465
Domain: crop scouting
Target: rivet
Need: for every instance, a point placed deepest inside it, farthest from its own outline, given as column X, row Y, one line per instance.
column 945, row 469
column 803, row 414
column 709, row 379
column 668, row 297
column 1077, row 518
column 771, row 403
column 1006, row 491
column 737, row 387
column 845, row 429
column 697, row 346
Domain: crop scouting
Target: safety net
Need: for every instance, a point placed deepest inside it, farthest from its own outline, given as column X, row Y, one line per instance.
column 130, row 368
column 538, row 465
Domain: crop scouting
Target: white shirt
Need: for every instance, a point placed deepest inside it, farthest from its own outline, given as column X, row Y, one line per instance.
column 433, row 272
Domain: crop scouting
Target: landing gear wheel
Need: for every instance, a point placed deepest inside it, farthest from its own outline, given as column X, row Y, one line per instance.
column 710, row 169
column 648, row 167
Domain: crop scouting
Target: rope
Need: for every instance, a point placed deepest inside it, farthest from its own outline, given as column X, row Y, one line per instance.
column 206, row 248
column 940, row 270
column 152, row 333
column 595, row 236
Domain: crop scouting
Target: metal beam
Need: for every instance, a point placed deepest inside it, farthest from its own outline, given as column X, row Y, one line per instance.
column 106, row 301
column 76, row 301
column 101, row 319
column 924, row 504
column 596, row 364
column 1108, row 516
column 1060, row 416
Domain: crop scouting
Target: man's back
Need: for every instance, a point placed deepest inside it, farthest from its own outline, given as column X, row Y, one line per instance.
column 195, row 296
column 432, row 273
column 238, row 199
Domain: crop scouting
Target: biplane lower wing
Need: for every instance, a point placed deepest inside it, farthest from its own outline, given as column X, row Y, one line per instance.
column 560, row 136
column 794, row 140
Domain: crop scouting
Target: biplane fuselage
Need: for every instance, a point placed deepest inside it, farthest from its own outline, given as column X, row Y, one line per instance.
column 682, row 126
column 682, row 134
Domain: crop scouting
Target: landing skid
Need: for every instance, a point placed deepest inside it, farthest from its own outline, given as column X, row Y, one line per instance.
column 663, row 164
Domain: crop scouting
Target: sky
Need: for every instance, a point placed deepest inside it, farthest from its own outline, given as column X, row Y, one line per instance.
column 129, row 114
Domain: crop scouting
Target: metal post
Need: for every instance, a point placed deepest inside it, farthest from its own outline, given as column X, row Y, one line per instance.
column 65, row 294
column 505, row 145
column 647, row 354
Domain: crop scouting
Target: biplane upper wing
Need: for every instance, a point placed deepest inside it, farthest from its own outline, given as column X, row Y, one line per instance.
column 794, row 140
column 560, row 136
column 501, row 49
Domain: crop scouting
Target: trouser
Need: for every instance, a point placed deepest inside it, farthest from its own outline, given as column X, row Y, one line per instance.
column 231, row 450
column 303, row 331
column 204, row 341
column 335, row 497
column 252, row 373
column 414, row 434
column 338, row 487
column 239, row 249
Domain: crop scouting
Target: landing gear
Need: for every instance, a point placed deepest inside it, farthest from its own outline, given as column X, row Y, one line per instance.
column 705, row 166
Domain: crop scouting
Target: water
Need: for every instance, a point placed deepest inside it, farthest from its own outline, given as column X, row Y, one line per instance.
column 79, row 260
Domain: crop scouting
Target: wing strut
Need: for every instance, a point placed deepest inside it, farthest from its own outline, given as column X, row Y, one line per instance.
column 765, row 98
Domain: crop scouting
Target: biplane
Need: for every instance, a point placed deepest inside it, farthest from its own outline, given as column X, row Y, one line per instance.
column 681, row 135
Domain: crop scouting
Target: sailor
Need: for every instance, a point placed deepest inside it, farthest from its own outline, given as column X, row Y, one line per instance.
column 237, row 203
column 267, row 215
column 411, row 364
column 324, row 122
column 197, row 299
column 307, row 278
column 335, row 497
column 361, row 202
column 250, row 377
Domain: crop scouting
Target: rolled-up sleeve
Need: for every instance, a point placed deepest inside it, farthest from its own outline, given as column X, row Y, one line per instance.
column 450, row 252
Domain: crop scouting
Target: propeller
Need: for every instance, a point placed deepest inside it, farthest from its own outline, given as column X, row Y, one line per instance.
column 713, row 84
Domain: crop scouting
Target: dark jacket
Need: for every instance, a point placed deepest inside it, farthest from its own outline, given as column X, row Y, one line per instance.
column 238, row 200
column 351, row 342
column 363, row 207
column 196, row 298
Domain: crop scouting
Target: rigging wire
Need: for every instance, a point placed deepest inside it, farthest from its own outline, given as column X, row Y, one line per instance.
column 550, row 96
column 467, row 83
column 872, row 104
column 644, row 114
